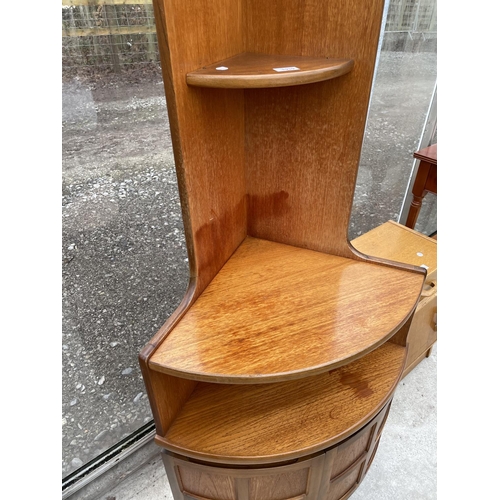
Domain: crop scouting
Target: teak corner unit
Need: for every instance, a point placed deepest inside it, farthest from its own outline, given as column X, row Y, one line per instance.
column 273, row 378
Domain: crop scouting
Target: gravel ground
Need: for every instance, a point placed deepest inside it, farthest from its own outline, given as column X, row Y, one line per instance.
column 125, row 266
column 124, row 260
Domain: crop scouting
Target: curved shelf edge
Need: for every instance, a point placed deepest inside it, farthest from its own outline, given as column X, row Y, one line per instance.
column 280, row 377
column 272, row 423
column 256, row 324
column 249, row 70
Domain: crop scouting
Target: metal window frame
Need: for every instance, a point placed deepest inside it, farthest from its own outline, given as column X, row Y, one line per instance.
column 105, row 461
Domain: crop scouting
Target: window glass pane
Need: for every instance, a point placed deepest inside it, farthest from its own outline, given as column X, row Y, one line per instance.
column 124, row 260
column 401, row 95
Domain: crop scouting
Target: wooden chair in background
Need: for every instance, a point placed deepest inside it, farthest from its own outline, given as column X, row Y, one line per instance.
column 425, row 181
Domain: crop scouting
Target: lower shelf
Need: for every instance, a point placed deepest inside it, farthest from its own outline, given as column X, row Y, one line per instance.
column 333, row 474
column 265, row 423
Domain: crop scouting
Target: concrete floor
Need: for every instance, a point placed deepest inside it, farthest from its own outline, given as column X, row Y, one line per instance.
column 405, row 467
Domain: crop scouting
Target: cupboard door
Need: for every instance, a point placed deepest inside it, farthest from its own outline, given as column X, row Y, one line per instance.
column 296, row 481
column 348, row 462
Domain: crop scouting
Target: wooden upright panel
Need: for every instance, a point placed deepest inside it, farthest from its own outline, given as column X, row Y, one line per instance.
column 207, row 128
column 303, row 143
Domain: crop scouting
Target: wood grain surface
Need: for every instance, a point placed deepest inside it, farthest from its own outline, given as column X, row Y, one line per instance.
column 207, row 127
column 277, row 312
column 279, row 164
column 249, row 70
column 303, row 143
column 275, row 163
column 274, row 422
column 300, row 480
column 397, row 242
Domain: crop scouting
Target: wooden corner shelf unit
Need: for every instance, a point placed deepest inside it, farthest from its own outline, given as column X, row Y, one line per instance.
column 273, row 378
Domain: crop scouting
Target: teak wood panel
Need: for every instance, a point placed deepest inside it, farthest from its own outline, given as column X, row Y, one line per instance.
column 231, row 186
column 207, row 127
column 298, row 481
column 249, row 70
column 344, row 487
column 248, row 424
column 353, row 451
column 303, row 143
column 299, row 190
column 397, row 242
column 215, row 131
column 277, row 312
column 291, row 484
column 347, row 463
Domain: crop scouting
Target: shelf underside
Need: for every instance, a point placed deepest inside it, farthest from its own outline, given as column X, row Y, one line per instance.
column 272, row 422
column 249, row 70
column 277, row 312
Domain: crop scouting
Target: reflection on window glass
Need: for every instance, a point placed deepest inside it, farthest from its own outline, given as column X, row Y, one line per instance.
column 402, row 91
column 427, row 217
column 124, row 260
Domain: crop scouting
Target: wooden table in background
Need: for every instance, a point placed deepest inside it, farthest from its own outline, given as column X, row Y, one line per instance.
column 425, row 181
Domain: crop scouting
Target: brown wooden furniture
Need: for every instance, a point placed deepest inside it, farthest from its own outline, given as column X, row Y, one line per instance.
column 396, row 242
column 425, row 181
column 273, row 378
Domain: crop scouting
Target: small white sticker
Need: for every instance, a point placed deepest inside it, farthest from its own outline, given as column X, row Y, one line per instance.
column 424, row 266
column 221, row 68
column 420, row 254
column 288, row 68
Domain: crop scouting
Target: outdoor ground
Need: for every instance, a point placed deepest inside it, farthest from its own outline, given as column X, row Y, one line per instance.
column 125, row 266
column 124, row 261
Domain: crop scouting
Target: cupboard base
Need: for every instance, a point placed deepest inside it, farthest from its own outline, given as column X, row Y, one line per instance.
column 332, row 474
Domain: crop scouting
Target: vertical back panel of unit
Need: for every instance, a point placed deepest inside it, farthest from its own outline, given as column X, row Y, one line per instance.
column 303, row 142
